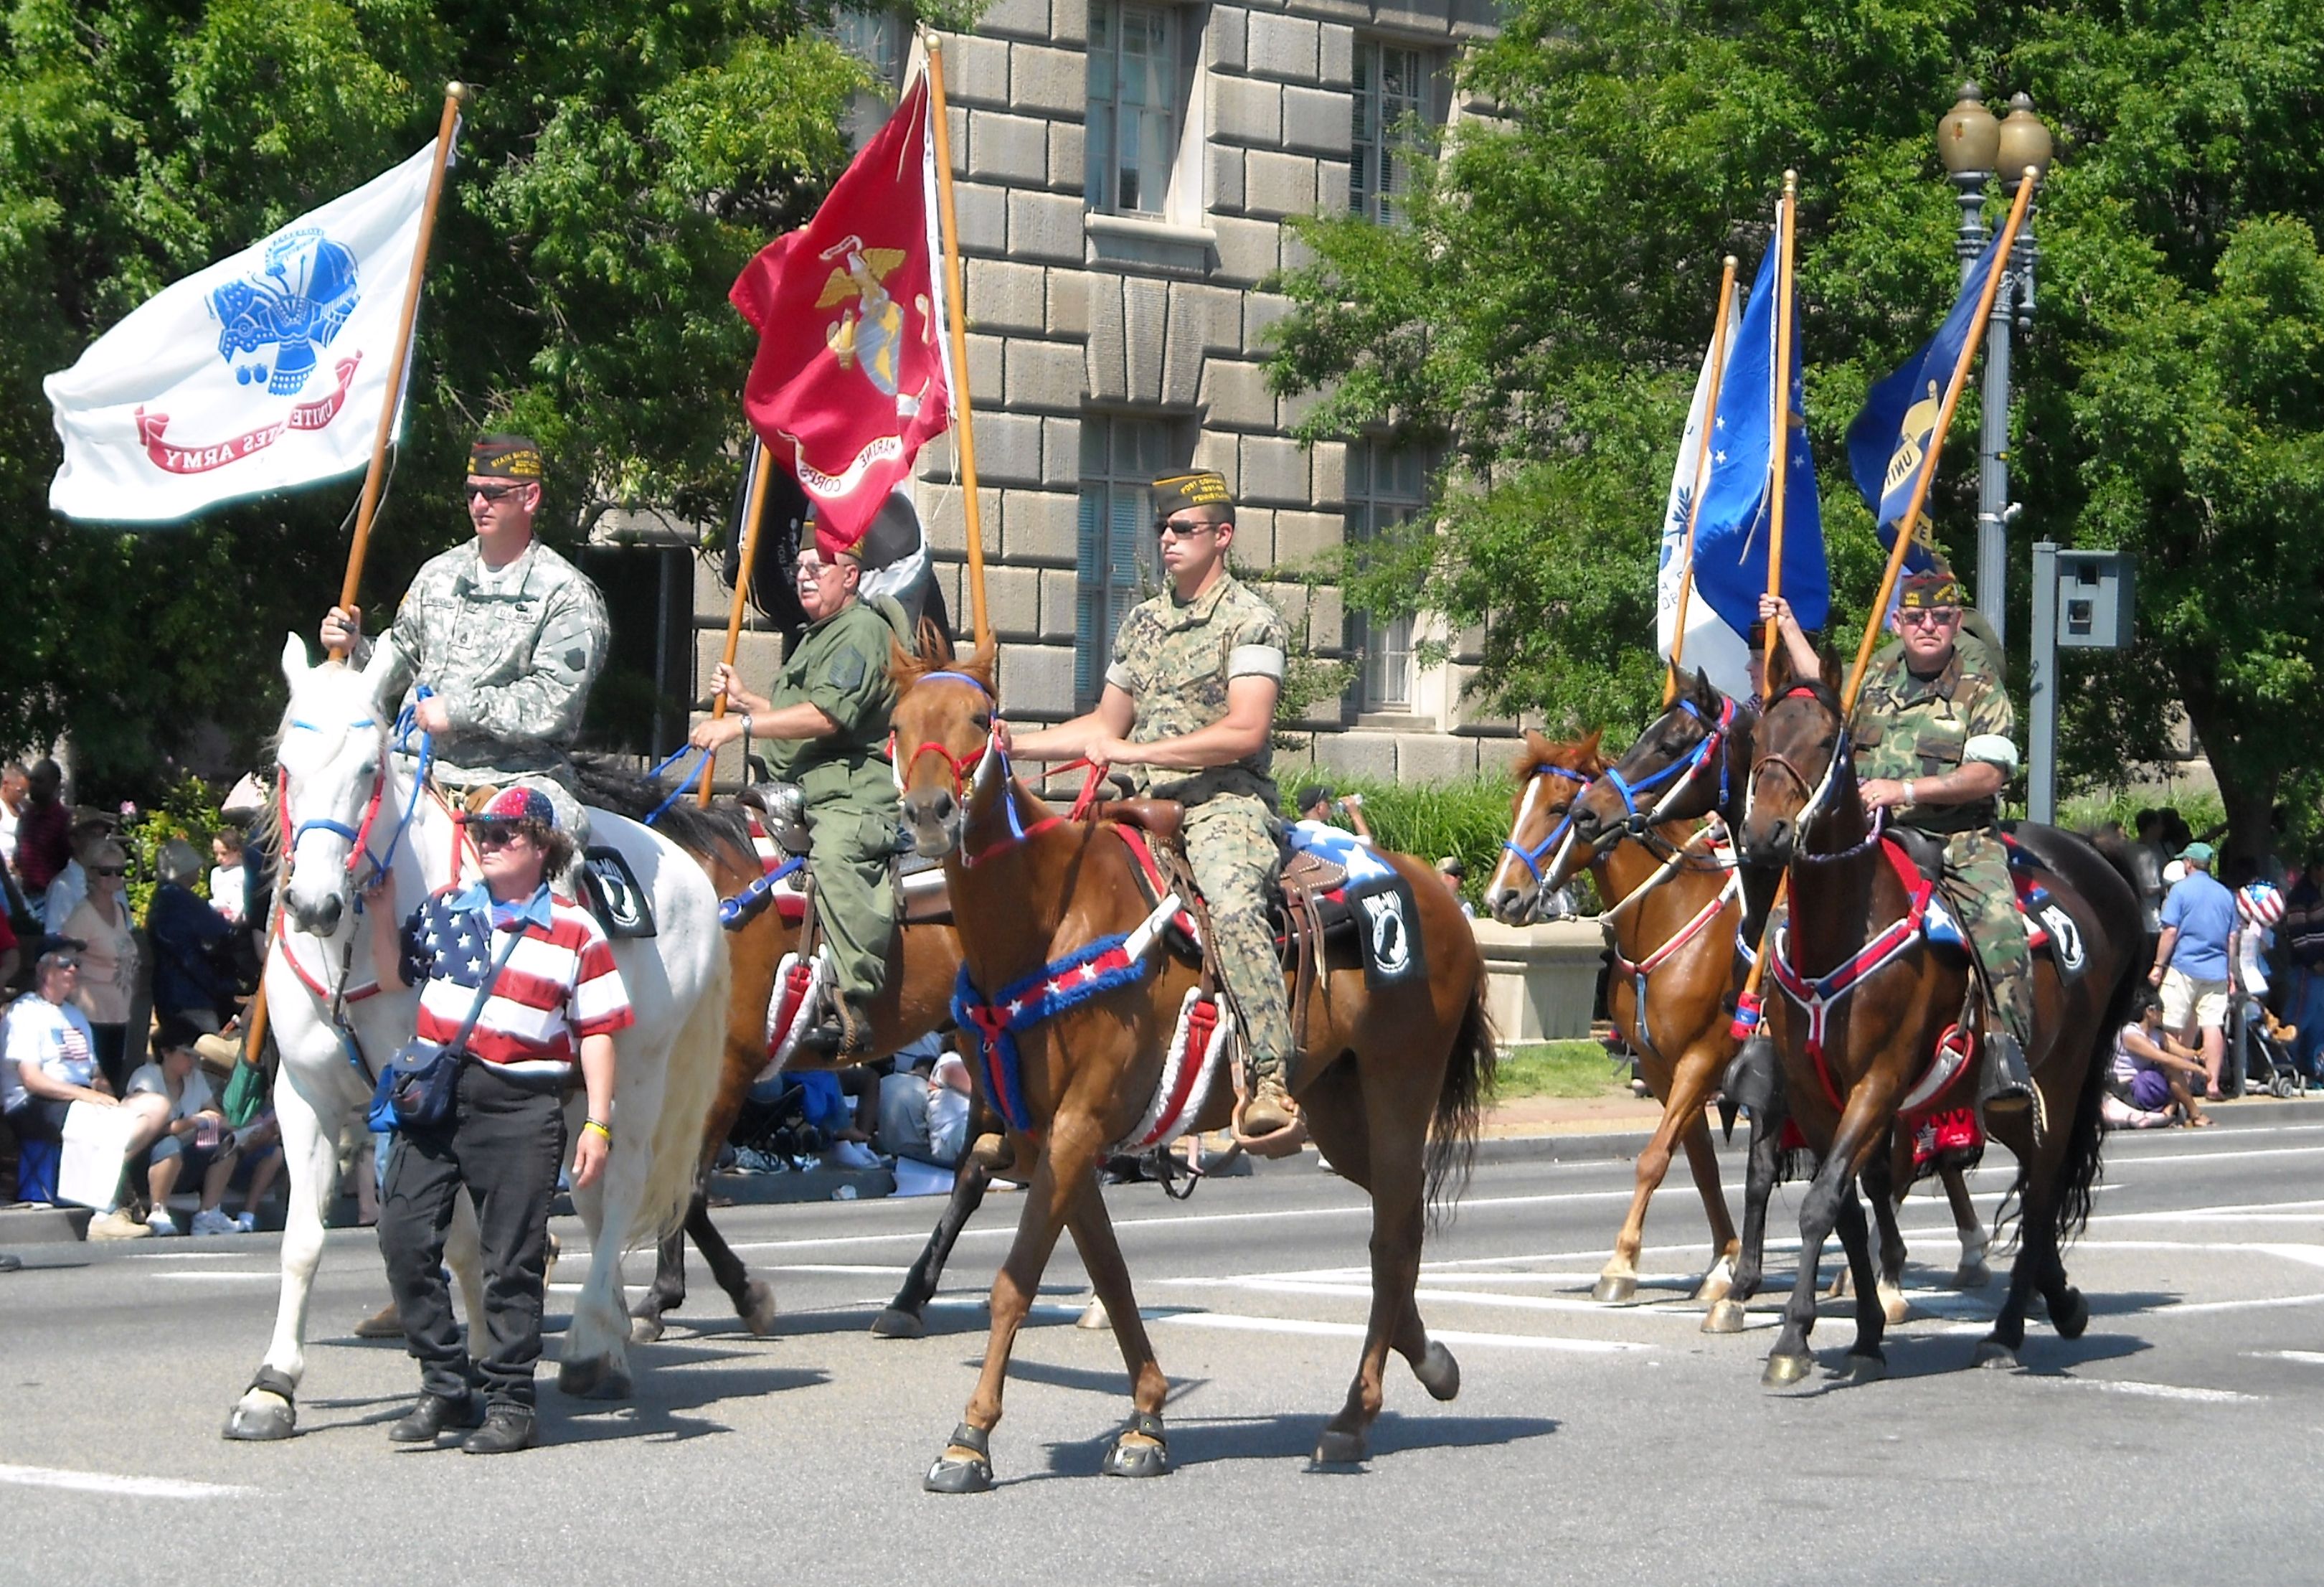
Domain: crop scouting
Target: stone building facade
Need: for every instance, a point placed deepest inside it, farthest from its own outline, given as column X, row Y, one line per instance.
column 1122, row 172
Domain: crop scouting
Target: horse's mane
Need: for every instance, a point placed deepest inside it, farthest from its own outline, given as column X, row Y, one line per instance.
column 936, row 654
column 700, row 829
column 1821, row 692
column 1542, row 751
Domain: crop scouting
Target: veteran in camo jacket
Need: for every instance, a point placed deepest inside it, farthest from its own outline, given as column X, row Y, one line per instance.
column 1188, row 705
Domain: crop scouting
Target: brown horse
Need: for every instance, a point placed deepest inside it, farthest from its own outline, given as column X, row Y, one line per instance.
column 1673, row 909
column 1855, row 1041
column 1693, row 761
column 1391, row 1082
column 914, row 999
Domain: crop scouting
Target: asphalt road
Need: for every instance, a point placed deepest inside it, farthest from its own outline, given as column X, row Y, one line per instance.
column 1588, row 1443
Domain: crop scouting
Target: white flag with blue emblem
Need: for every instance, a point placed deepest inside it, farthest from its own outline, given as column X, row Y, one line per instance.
column 263, row 373
column 1711, row 646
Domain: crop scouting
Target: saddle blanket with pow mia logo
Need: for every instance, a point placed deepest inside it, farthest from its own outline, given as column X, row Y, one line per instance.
column 610, row 890
column 1374, row 901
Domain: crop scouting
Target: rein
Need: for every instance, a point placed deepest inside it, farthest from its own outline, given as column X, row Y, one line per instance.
column 1680, row 772
column 1558, row 833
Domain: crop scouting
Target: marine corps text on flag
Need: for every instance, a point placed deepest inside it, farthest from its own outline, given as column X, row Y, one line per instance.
column 265, row 372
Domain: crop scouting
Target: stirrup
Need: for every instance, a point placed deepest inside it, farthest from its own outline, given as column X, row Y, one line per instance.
column 1280, row 1142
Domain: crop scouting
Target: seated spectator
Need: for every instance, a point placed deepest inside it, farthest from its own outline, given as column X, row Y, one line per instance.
column 1454, row 875
column 2150, row 1074
column 924, row 1105
column 258, row 1149
column 70, row 888
column 195, row 1145
column 50, row 1066
column 190, row 941
column 1318, row 801
column 229, row 882
column 110, row 962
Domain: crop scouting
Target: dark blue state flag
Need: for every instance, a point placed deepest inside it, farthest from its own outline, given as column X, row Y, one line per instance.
column 1890, row 441
column 1732, row 530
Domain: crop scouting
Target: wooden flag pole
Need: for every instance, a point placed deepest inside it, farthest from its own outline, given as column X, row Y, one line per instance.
column 1779, row 462
column 1896, row 566
column 1702, row 476
column 456, row 96
column 754, row 512
column 971, row 512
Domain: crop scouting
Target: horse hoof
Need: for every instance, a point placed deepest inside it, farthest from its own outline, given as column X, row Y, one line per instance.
column 961, row 1473
column 1093, row 1316
column 1843, row 1285
column 1141, row 1458
column 259, row 1417
column 1716, row 1286
column 1998, row 1357
column 1335, row 1448
column 758, row 1308
column 1784, row 1371
column 1725, row 1316
column 645, row 1327
column 1438, row 1372
column 1869, row 1367
column 1615, row 1288
column 596, row 1378
column 1893, row 1306
column 1972, row 1275
column 895, row 1322
column 2076, row 1317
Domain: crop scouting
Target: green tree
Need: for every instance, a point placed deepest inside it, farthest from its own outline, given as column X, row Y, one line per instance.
column 621, row 161
column 1543, row 313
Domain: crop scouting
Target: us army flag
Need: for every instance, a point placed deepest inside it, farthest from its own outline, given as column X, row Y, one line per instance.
column 265, row 372
column 1711, row 646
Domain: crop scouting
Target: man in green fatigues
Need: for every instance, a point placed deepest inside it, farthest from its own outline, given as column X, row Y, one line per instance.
column 827, row 722
column 1934, row 745
column 1190, row 700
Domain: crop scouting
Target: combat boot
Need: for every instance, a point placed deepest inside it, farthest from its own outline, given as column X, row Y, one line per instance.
column 1270, row 1125
column 2005, row 1086
column 845, row 1032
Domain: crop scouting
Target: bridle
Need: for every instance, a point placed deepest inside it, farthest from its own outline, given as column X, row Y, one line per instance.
column 1558, row 836
column 358, row 835
column 1819, row 791
column 1679, row 774
column 968, row 770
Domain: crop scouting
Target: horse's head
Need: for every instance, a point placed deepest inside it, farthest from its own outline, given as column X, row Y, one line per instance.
column 942, row 739
column 1799, row 772
column 1539, row 854
column 332, row 752
column 1677, row 770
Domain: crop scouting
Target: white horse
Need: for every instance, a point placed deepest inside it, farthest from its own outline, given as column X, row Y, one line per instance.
column 344, row 797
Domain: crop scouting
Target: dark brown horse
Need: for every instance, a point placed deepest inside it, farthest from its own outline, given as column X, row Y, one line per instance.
column 1391, row 1082
column 1852, row 1050
column 1693, row 761
column 1674, row 908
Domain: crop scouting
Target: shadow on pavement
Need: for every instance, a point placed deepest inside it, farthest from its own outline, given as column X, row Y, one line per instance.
column 1292, row 1437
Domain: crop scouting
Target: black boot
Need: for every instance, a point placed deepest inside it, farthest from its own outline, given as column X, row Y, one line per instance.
column 507, row 1428
column 428, row 1420
column 843, row 1033
column 1754, row 1077
column 2005, row 1086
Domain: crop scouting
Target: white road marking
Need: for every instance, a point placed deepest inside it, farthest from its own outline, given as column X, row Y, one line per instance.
column 119, row 1487
column 857, row 1269
column 1516, row 1303
column 189, row 1256
column 2310, row 1358
column 1229, row 1320
column 2154, row 1390
column 2229, row 1154
column 271, row 1275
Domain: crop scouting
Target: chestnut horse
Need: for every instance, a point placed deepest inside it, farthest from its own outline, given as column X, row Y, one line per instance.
column 1693, row 761
column 1880, row 1032
column 1674, row 910
column 1391, row 1082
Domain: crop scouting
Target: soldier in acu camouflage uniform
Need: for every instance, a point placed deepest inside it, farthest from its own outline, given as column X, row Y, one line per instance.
column 1933, row 734
column 1189, row 701
column 506, row 635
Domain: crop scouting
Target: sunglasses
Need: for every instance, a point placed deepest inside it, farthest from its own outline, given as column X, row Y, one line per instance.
column 108, row 870
column 1928, row 616
column 491, row 834
column 64, row 964
column 1169, row 528
column 494, row 493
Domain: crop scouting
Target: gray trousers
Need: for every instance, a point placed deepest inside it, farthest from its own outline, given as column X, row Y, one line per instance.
column 504, row 1146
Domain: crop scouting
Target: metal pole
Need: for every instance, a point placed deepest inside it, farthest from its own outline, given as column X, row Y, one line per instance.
column 2042, row 696
column 1993, row 467
column 1969, row 195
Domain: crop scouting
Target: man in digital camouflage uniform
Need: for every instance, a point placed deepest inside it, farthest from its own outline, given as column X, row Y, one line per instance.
column 1189, row 701
column 1934, row 732
column 828, row 720
column 506, row 635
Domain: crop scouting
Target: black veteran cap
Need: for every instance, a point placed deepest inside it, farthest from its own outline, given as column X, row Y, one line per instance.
column 1935, row 587
column 1205, row 487
column 505, row 456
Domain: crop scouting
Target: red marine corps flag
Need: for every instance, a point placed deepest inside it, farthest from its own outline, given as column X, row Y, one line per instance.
column 850, row 376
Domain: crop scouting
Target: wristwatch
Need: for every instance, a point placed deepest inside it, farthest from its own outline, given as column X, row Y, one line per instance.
column 1910, row 800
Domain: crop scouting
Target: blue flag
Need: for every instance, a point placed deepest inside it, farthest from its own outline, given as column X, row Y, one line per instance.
column 1732, row 530
column 1888, row 443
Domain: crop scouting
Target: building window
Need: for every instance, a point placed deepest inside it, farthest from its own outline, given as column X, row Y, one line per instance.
column 1386, row 486
column 1120, row 459
column 1393, row 85
column 880, row 39
column 1131, row 144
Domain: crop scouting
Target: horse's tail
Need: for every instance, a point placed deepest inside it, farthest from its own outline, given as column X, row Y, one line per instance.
column 1460, row 1104
column 690, row 1082
column 2080, row 1172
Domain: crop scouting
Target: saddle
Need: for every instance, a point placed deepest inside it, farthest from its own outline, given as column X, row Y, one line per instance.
column 2049, row 927
column 776, row 813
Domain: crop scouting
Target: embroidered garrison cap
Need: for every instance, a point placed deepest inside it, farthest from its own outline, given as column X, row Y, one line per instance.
column 505, row 456
column 1205, row 487
column 1935, row 587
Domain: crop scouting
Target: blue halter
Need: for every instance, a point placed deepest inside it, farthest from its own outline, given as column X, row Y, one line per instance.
column 1680, row 771
column 1533, row 856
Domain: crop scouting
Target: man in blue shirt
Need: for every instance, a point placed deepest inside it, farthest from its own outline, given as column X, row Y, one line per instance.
column 2191, row 960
